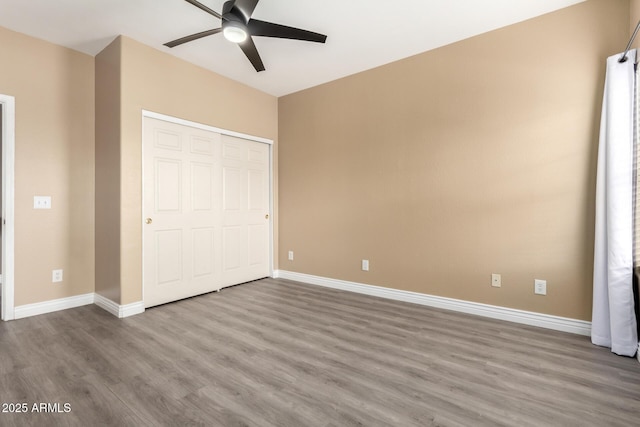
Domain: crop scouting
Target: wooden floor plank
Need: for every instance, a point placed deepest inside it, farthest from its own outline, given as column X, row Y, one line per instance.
column 281, row 353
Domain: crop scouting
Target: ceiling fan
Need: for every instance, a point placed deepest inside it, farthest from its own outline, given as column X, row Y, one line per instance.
column 237, row 26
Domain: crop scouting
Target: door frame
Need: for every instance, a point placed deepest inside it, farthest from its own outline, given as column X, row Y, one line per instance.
column 8, row 104
column 179, row 121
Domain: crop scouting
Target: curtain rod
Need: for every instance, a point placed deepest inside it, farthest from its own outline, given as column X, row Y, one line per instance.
column 623, row 58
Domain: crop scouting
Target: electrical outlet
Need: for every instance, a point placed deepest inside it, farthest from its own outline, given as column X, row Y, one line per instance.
column 41, row 202
column 290, row 255
column 56, row 276
column 540, row 287
column 365, row 265
column 496, row 280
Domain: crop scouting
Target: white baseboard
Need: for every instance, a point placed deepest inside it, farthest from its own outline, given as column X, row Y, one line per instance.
column 131, row 309
column 117, row 310
column 29, row 310
column 120, row 311
column 563, row 324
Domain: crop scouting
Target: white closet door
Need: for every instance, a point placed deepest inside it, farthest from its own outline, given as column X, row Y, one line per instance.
column 245, row 210
column 182, row 212
column 206, row 206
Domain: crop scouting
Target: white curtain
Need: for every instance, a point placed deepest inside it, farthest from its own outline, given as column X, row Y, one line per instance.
column 613, row 318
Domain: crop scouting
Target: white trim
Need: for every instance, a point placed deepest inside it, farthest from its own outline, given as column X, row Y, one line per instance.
column 29, row 310
column 131, row 309
column 638, row 353
column 176, row 120
column 117, row 310
column 272, row 265
column 563, row 324
column 8, row 104
column 106, row 304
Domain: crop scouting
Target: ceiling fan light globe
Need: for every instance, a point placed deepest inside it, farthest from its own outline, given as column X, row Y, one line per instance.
column 234, row 34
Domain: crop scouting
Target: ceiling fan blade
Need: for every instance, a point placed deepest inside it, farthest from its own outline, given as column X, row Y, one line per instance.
column 250, row 50
column 192, row 37
column 269, row 29
column 246, row 7
column 205, row 8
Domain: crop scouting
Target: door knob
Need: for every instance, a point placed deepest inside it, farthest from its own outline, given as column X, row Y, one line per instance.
column 148, row 221
column 266, row 216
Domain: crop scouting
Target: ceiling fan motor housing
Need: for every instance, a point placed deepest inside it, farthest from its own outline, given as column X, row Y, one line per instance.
column 234, row 23
column 230, row 13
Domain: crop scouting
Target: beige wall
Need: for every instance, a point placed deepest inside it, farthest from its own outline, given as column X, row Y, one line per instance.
column 107, row 160
column 440, row 169
column 54, row 91
column 472, row 159
column 154, row 81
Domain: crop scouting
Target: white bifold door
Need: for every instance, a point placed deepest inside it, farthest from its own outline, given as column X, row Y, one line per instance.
column 206, row 211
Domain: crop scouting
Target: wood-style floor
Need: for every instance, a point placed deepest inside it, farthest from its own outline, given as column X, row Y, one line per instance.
column 280, row 353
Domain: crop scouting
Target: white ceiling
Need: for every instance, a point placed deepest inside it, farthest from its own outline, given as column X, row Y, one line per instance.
column 362, row 34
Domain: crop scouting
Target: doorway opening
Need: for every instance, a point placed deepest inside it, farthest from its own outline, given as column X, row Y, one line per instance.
column 7, row 153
